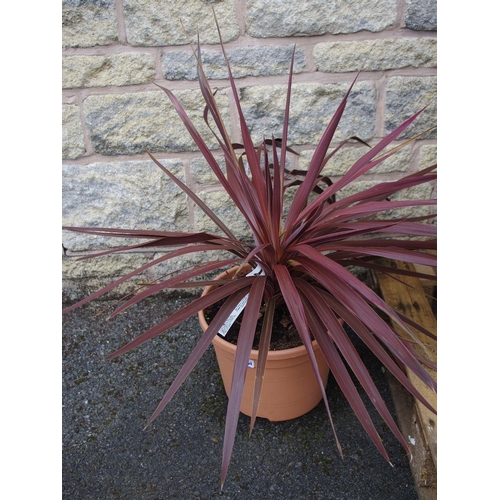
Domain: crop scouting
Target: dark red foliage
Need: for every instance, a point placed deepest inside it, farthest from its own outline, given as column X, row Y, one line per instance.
column 305, row 258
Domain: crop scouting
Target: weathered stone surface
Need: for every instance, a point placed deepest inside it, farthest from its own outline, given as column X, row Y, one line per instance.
column 220, row 203
column 376, row 55
column 341, row 161
column 156, row 22
column 421, row 14
column 202, row 173
column 244, row 61
column 345, row 158
column 81, row 278
column 405, row 96
column 130, row 195
column 287, row 201
column 86, row 23
column 398, row 162
column 84, row 277
column 422, row 192
column 312, row 107
column 72, row 133
column 290, row 193
column 102, row 267
column 280, row 18
column 132, row 123
column 428, row 156
column 355, row 187
column 101, row 71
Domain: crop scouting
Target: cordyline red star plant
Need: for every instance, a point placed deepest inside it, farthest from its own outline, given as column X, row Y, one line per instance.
column 305, row 255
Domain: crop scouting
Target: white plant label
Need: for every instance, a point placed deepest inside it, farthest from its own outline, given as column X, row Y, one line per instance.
column 258, row 271
column 232, row 317
column 251, row 363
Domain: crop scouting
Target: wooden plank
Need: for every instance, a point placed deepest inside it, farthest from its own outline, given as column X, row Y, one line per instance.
column 407, row 297
column 428, row 285
column 426, row 269
column 422, row 464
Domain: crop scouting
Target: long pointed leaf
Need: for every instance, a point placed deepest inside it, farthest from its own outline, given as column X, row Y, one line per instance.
column 352, row 358
column 342, row 377
column 360, row 167
column 195, row 198
column 253, row 162
column 372, row 343
column 265, row 339
column 304, row 190
column 296, row 308
column 388, row 252
column 286, row 117
column 245, row 340
column 357, row 305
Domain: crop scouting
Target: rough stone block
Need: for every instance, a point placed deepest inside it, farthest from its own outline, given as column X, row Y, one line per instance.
column 339, row 164
column 398, row 162
column 428, row 156
column 220, row 203
column 345, row 158
column 156, row 22
column 131, row 123
column 244, row 61
column 86, row 23
column 312, row 107
column 129, row 195
column 202, row 173
column 405, row 96
column 376, row 55
column 101, row 71
column 355, row 187
column 281, row 18
column 73, row 145
column 422, row 192
column 82, row 278
column 421, row 14
column 105, row 266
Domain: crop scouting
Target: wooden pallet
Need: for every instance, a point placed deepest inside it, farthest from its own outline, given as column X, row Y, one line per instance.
column 417, row 422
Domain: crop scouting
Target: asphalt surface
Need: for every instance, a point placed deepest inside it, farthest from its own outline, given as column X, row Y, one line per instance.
column 108, row 455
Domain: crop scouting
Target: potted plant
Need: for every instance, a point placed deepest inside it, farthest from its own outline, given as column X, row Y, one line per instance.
column 300, row 261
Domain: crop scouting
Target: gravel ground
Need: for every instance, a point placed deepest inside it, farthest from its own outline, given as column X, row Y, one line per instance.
column 107, row 455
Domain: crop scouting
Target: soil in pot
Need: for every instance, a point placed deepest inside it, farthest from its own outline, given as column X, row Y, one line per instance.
column 284, row 334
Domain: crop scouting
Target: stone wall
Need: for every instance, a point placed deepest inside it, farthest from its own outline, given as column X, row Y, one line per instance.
column 114, row 51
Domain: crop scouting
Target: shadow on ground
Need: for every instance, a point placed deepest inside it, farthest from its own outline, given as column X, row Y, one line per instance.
column 107, row 455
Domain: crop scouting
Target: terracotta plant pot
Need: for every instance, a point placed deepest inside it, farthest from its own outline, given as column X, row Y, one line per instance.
column 289, row 388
